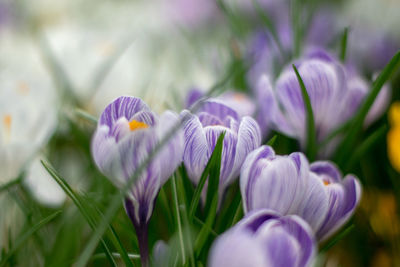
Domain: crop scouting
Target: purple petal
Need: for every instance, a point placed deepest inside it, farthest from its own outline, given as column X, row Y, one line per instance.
column 269, row 114
column 234, row 249
column 196, row 152
column 250, row 171
column 218, row 109
column 192, row 97
column 343, row 199
column 123, row 106
column 171, row 154
column 249, row 138
column 278, row 187
column 315, row 203
column 328, row 170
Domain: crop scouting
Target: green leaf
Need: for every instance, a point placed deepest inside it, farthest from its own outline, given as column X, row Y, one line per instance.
column 238, row 214
column 343, row 45
column 337, row 238
column 366, row 145
column 178, row 220
column 358, row 120
column 272, row 141
column 24, row 237
column 212, row 196
column 79, row 202
column 10, row 184
column 88, row 117
column 295, row 10
column 212, row 162
column 311, row 144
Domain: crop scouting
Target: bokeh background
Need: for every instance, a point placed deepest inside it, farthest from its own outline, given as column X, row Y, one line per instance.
column 63, row 61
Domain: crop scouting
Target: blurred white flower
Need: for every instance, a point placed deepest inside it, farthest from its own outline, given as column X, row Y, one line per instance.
column 27, row 105
column 42, row 186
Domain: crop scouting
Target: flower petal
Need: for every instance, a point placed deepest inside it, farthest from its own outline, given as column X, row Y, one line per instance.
column 124, row 106
column 343, row 199
column 196, row 152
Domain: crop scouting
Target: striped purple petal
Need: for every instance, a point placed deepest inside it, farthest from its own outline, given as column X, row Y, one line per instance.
column 264, row 238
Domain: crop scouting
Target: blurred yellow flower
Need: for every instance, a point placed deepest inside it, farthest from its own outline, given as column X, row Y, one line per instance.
column 393, row 136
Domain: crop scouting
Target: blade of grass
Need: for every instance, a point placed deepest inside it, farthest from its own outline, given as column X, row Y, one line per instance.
column 358, row 120
column 238, row 214
column 206, row 173
column 272, row 141
column 10, row 184
column 295, row 10
column 366, row 145
column 343, row 45
column 311, row 144
column 337, row 238
column 178, row 219
column 84, row 115
column 78, row 201
column 24, row 237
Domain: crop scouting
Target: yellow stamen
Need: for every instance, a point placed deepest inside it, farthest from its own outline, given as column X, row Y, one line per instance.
column 326, row 182
column 134, row 125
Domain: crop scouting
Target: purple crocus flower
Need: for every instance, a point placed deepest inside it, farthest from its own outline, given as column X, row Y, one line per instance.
column 264, row 238
column 335, row 92
column 289, row 185
column 126, row 134
column 202, row 131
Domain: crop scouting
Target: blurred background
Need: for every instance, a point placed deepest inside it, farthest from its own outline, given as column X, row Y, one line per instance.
column 62, row 62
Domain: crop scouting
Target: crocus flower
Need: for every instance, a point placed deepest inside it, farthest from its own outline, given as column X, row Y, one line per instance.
column 289, row 185
column 127, row 133
column 264, row 238
column 393, row 136
column 335, row 93
column 240, row 102
column 202, row 131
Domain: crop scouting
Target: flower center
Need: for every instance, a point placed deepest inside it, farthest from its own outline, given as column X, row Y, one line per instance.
column 326, row 182
column 134, row 125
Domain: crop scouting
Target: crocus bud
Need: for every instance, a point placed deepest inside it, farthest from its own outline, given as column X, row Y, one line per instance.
column 127, row 133
column 202, row 131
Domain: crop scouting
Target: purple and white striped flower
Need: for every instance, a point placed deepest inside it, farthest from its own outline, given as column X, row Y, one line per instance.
column 202, row 131
column 126, row 134
column 335, row 93
column 289, row 185
column 264, row 238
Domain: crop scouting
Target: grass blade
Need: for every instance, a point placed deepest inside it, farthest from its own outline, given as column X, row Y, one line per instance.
column 358, row 120
column 178, row 219
column 367, row 144
column 272, row 141
column 78, row 201
column 23, row 238
column 206, row 173
column 343, row 45
column 10, row 184
column 84, row 115
column 337, row 238
column 311, row 144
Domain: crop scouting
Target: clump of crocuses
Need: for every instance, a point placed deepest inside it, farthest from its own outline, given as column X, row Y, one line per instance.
column 265, row 238
column 201, row 131
column 290, row 185
column 335, row 91
column 127, row 133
